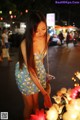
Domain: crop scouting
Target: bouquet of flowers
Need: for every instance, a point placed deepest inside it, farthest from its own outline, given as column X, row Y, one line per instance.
column 66, row 105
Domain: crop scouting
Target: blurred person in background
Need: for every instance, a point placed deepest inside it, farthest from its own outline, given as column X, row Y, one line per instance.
column 54, row 40
column 0, row 47
column 5, row 43
column 61, row 37
column 0, row 52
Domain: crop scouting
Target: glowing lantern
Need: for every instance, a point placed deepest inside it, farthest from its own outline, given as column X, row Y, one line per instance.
column 52, row 114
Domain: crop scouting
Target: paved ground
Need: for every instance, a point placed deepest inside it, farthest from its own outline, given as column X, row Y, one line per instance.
column 63, row 61
column 10, row 97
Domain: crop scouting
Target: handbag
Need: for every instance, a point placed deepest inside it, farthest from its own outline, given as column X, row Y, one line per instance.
column 4, row 52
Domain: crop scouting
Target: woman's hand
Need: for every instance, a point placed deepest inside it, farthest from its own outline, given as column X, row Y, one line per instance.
column 49, row 77
column 47, row 101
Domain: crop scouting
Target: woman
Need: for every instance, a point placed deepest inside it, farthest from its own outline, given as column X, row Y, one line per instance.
column 30, row 72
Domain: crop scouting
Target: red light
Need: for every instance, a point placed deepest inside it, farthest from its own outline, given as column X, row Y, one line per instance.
column 1, row 18
column 21, row 13
column 14, row 16
column 11, row 16
column 26, row 11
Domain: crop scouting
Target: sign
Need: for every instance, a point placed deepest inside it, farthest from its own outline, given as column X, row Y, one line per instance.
column 50, row 19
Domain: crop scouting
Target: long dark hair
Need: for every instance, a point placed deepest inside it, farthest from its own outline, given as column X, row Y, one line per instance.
column 33, row 19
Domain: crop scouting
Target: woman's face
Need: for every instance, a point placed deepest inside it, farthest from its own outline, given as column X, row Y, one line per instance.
column 41, row 30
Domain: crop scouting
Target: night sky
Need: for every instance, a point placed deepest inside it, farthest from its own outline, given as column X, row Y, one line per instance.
column 66, row 12
column 69, row 12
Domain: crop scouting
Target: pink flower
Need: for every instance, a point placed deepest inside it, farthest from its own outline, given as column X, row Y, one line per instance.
column 74, row 92
column 77, row 88
column 40, row 115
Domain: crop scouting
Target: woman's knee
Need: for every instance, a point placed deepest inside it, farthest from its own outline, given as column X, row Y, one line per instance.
column 35, row 101
column 28, row 101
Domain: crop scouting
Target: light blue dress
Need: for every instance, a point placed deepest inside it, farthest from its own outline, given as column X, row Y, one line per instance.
column 23, row 78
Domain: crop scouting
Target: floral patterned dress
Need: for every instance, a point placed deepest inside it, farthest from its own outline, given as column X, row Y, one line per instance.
column 23, row 78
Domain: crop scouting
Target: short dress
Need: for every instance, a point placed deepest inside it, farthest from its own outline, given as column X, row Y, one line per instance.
column 23, row 78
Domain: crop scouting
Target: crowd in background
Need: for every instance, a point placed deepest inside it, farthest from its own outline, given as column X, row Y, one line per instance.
column 13, row 39
column 64, row 37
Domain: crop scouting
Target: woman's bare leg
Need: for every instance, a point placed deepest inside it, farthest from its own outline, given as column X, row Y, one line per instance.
column 28, row 106
column 8, row 55
column 35, row 102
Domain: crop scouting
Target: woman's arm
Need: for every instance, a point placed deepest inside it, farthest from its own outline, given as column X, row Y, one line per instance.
column 23, row 50
column 37, row 81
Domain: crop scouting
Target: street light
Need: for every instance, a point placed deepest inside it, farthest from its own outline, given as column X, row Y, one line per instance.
column 10, row 12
